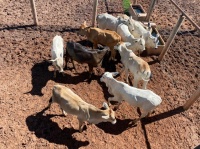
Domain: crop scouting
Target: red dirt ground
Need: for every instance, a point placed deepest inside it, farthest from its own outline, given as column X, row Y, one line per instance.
column 27, row 81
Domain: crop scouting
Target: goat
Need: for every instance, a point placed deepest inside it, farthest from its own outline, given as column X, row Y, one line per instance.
column 137, row 66
column 104, row 37
column 147, row 100
column 136, row 44
column 81, row 54
column 57, row 54
column 107, row 21
column 71, row 103
column 137, row 29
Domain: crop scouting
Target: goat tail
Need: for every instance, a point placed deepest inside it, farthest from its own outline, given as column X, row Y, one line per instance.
column 145, row 72
column 54, row 60
column 146, row 76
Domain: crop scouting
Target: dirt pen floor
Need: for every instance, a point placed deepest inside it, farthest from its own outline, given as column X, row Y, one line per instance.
column 27, row 80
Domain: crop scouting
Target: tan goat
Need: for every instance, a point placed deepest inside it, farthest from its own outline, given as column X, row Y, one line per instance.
column 71, row 103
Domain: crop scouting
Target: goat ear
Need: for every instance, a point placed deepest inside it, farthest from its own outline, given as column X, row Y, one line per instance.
column 127, row 44
column 105, row 105
column 52, row 60
column 105, row 117
column 141, row 36
column 149, row 25
column 84, row 23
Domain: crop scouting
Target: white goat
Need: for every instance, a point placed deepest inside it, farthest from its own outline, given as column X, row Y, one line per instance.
column 125, row 17
column 136, row 44
column 57, row 51
column 137, row 30
column 147, row 100
column 137, row 66
column 107, row 21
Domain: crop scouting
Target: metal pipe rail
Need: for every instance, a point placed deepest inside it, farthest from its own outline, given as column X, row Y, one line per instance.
column 193, row 23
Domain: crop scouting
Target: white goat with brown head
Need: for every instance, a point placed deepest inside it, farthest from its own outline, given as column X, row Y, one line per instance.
column 136, row 65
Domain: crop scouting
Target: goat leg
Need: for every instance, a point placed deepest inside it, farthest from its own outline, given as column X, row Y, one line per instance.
column 66, row 61
column 73, row 64
column 80, row 125
column 64, row 113
column 54, row 74
column 50, row 102
column 126, row 75
column 144, row 84
column 135, row 84
column 144, row 114
column 90, row 71
column 113, row 54
column 95, row 45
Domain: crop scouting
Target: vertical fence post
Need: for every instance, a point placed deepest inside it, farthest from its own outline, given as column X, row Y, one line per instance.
column 171, row 37
column 95, row 4
column 150, row 10
column 192, row 99
column 34, row 12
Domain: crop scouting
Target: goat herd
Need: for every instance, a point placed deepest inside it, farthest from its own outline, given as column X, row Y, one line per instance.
column 129, row 37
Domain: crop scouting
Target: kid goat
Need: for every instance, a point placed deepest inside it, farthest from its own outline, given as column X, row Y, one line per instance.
column 137, row 30
column 99, row 36
column 71, row 103
column 57, row 51
column 136, row 44
column 137, row 66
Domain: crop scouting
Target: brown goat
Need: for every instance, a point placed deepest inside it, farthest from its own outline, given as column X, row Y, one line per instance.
column 99, row 36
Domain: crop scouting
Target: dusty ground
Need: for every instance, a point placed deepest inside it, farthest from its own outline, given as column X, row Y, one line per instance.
column 27, row 80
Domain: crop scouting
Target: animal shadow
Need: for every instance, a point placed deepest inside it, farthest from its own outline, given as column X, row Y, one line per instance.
column 118, row 128
column 40, row 76
column 44, row 127
column 163, row 115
